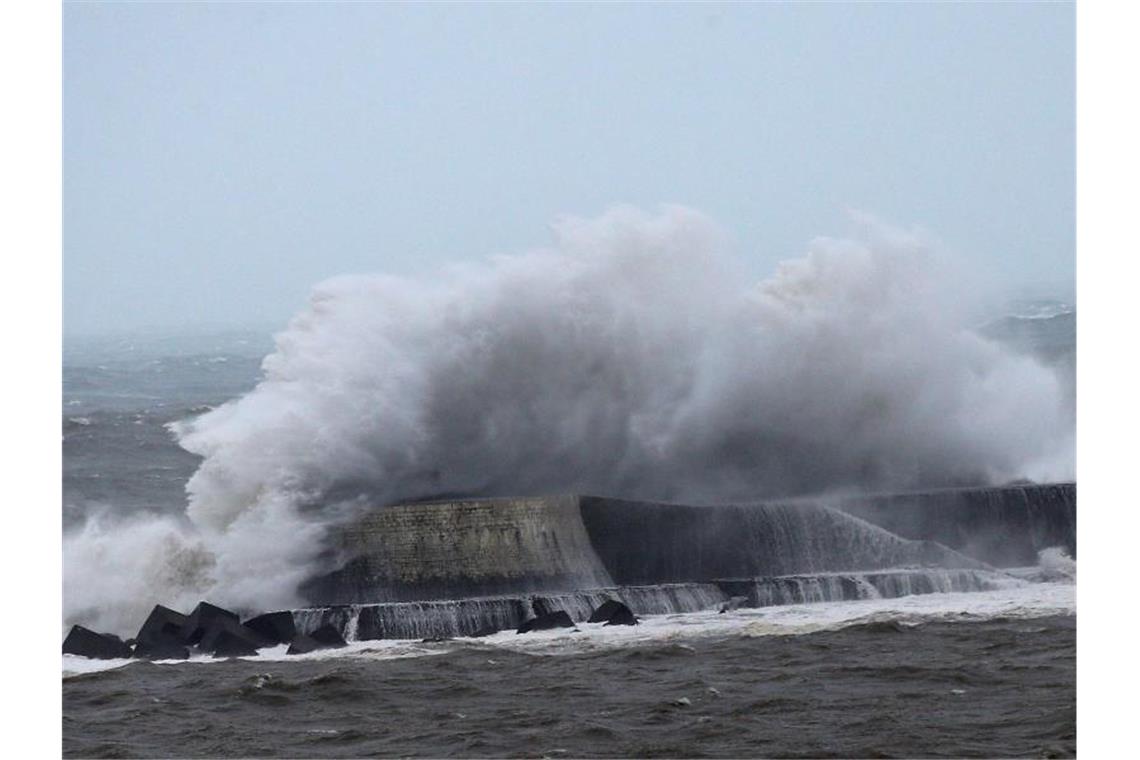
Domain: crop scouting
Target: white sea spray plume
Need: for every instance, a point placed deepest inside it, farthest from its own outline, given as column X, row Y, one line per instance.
column 629, row 359
column 116, row 570
column 1055, row 564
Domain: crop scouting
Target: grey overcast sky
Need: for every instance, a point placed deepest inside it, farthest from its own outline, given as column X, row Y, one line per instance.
column 220, row 159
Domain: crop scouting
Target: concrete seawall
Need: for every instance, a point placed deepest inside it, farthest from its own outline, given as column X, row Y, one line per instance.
column 461, row 549
column 478, row 548
column 643, row 543
column 1004, row 526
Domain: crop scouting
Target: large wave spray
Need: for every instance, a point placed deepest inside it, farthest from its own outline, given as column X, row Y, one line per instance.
column 631, row 360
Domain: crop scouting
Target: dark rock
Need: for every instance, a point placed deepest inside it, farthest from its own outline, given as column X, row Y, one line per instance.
column 622, row 616
column 275, row 627
column 99, row 646
column 734, row 603
column 228, row 638
column 613, row 612
column 162, row 629
column 200, row 620
column 228, row 644
column 603, row 611
column 161, row 650
column 325, row 637
column 329, row 635
column 436, row 639
column 303, row 644
column 556, row 619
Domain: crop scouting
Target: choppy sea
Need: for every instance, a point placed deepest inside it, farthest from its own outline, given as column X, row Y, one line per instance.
column 948, row 675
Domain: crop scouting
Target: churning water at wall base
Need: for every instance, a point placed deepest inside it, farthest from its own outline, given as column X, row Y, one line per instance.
column 887, row 584
column 1009, row 599
column 467, row 617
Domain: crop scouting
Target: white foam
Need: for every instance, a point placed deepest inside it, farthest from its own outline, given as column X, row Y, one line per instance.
column 73, row 665
column 1056, row 564
column 1018, row 600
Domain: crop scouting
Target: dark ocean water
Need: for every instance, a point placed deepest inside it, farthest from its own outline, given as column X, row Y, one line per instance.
column 120, row 393
column 1000, row 688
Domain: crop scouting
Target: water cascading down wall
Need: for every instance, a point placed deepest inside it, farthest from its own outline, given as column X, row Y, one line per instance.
column 1004, row 526
column 455, row 567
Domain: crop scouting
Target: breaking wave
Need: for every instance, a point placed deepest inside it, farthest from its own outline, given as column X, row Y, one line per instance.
column 1054, row 564
column 629, row 359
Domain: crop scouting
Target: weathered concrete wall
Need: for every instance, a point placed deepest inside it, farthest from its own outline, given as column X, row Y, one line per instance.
column 462, row 549
column 642, row 543
column 494, row 547
column 1004, row 527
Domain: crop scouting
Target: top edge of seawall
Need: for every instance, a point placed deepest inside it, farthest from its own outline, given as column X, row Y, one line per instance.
column 482, row 499
column 571, row 498
column 838, row 495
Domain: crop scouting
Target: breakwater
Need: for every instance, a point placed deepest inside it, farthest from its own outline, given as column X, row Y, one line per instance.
column 470, row 566
column 496, row 547
column 1004, row 527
